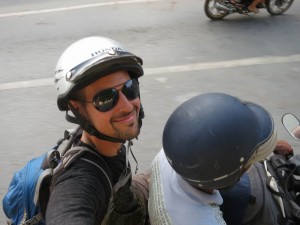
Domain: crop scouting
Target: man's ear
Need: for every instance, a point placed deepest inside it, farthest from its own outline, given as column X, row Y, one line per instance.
column 74, row 104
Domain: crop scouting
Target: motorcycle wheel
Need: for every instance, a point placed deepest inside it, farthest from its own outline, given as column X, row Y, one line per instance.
column 212, row 12
column 277, row 7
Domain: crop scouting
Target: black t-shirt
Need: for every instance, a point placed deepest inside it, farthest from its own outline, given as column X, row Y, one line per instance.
column 78, row 195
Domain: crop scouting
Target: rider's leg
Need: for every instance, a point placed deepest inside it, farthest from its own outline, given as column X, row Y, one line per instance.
column 252, row 6
column 236, row 3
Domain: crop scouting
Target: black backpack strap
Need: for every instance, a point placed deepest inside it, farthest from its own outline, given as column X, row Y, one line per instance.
column 99, row 162
column 76, row 152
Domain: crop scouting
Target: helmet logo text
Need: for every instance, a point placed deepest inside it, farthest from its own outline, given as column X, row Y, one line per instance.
column 111, row 51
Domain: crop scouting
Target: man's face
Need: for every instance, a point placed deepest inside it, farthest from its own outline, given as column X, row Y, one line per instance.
column 122, row 120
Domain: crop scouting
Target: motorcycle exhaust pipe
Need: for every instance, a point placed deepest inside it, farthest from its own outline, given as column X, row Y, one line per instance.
column 222, row 7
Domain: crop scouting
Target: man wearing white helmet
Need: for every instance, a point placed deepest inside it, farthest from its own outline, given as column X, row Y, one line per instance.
column 209, row 142
column 97, row 81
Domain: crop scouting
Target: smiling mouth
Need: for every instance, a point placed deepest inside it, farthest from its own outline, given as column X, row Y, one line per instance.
column 125, row 118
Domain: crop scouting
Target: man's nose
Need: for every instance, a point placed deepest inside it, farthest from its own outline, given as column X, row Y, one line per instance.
column 124, row 103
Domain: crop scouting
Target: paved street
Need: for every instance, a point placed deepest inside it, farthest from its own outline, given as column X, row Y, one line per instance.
column 255, row 58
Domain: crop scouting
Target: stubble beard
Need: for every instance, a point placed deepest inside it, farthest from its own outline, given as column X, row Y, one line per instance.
column 129, row 133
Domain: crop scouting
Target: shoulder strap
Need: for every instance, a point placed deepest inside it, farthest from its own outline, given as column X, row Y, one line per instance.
column 92, row 157
column 75, row 153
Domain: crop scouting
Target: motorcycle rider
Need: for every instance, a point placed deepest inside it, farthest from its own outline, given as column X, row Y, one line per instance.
column 254, row 3
column 97, row 80
column 209, row 142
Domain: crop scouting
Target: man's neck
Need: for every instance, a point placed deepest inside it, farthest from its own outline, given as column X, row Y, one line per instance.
column 105, row 148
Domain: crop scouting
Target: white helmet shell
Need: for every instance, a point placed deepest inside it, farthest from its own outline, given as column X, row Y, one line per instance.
column 89, row 59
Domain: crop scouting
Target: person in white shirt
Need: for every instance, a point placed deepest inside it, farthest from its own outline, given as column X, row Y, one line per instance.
column 209, row 141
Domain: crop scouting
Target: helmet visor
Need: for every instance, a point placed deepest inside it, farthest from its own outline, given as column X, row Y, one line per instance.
column 101, row 63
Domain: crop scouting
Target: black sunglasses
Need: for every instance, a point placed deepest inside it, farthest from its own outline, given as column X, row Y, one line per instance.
column 105, row 100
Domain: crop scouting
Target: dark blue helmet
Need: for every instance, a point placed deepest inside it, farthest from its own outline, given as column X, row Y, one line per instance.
column 211, row 139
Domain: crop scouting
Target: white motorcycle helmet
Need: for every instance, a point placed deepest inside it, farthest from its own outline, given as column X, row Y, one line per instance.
column 86, row 61
column 89, row 59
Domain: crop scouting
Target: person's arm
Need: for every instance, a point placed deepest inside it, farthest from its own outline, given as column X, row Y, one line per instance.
column 296, row 132
column 78, row 197
column 283, row 148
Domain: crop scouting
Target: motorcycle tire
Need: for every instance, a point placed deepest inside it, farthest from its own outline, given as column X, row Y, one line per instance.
column 277, row 7
column 212, row 12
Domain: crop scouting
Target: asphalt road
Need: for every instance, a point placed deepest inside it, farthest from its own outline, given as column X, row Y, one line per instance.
column 255, row 58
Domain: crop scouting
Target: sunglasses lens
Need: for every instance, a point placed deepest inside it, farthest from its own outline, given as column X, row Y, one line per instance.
column 106, row 100
column 131, row 89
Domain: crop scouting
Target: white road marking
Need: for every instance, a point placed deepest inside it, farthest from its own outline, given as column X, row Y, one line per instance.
column 27, row 84
column 173, row 69
column 25, row 13
column 224, row 64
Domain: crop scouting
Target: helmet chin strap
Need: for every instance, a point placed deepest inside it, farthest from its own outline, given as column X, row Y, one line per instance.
column 88, row 127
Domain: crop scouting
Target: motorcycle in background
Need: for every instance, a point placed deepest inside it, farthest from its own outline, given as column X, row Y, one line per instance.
column 218, row 9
